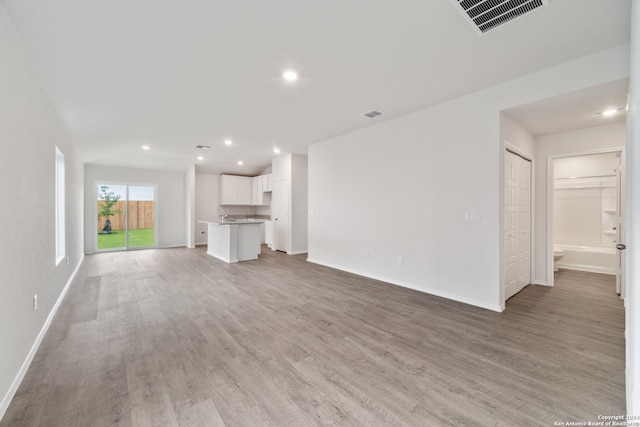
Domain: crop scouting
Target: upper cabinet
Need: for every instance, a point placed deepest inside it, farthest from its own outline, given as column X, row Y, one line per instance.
column 257, row 195
column 235, row 190
column 245, row 190
column 267, row 183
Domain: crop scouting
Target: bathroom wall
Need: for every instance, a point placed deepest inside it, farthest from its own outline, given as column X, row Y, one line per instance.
column 585, row 200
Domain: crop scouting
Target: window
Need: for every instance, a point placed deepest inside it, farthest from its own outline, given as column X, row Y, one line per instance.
column 60, row 223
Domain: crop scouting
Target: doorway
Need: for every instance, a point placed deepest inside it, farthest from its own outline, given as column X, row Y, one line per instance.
column 586, row 218
column 517, row 223
column 126, row 217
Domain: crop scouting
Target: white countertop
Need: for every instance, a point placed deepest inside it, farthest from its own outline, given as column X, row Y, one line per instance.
column 236, row 222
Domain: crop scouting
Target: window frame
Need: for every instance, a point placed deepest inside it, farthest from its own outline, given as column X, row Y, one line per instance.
column 60, row 238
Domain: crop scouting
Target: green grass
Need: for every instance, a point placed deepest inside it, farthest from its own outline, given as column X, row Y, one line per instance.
column 137, row 238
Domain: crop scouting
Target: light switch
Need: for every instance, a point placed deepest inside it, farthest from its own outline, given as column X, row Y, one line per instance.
column 472, row 216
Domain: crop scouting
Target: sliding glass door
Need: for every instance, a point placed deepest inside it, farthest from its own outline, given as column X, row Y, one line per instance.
column 126, row 217
column 140, row 217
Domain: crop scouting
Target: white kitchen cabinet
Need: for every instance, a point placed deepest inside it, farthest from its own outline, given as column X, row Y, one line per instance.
column 228, row 190
column 233, row 242
column 235, row 190
column 268, row 233
column 244, row 190
column 267, row 183
column 257, row 195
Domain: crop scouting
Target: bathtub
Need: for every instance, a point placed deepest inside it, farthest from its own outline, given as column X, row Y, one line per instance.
column 594, row 259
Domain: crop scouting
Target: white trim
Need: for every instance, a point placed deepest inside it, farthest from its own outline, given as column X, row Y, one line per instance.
column 507, row 146
column 587, row 268
column 6, row 400
column 632, row 232
column 541, row 283
column 60, row 207
column 412, row 286
column 297, row 252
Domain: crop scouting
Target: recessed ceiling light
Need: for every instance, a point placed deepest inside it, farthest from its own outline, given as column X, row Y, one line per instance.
column 290, row 75
column 609, row 113
column 146, row 147
column 228, row 142
column 241, row 163
column 276, row 150
column 200, row 158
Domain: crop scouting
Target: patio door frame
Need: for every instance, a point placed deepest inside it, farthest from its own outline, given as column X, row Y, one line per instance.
column 96, row 187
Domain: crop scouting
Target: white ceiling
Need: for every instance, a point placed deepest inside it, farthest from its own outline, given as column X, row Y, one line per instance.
column 575, row 110
column 176, row 74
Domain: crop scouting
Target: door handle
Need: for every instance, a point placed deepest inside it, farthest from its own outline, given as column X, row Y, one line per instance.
column 621, row 247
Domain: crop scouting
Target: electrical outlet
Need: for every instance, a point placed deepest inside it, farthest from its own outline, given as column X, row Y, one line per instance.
column 35, row 302
column 400, row 259
column 366, row 254
column 68, row 260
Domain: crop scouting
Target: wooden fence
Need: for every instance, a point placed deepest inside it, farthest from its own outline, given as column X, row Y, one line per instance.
column 140, row 215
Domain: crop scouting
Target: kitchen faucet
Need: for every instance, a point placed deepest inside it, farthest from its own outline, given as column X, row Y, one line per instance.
column 222, row 218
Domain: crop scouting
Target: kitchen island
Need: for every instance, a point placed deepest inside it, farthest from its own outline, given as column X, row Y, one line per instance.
column 233, row 241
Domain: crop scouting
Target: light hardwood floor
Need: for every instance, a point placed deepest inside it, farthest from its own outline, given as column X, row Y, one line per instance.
column 175, row 337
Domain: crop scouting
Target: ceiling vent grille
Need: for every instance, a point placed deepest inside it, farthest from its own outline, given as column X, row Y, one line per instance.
column 203, row 147
column 373, row 113
column 485, row 15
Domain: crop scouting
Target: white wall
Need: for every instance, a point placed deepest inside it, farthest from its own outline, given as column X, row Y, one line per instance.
column 585, row 140
column 632, row 301
column 190, row 194
column 29, row 131
column 586, row 166
column 513, row 134
column 401, row 188
column 171, row 216
column 299, row 203
column 206, row 204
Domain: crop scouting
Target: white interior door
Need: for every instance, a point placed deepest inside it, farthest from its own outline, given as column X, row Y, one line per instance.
column 281, row 214
column 517, row 224
column 510, row 224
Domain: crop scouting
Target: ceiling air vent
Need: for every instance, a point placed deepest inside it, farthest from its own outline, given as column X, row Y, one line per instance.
column 485, row 15
column 203, row 147
column 373, row 113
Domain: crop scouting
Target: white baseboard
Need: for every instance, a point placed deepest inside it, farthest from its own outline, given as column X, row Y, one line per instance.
column 470, row 301
column 587, row 268
column 6, row 400
column 541, row 283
